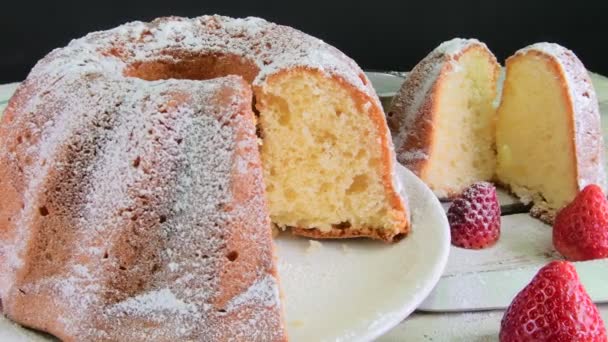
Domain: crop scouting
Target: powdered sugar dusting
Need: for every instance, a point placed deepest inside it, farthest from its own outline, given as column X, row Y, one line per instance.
column 263, row 291
column 153, row 301
column 455, row 46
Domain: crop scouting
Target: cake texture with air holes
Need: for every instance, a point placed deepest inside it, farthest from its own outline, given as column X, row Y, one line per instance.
column 134, row 203
column 548, row 136
column 324, row 162
column 443, row 117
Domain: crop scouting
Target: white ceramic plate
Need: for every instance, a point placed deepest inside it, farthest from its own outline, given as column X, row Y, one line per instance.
column 353, row 290
column 356, row 290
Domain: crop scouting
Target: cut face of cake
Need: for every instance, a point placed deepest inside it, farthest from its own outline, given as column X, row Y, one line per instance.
column 548, row 133
column 443, row 118
column 327, row 160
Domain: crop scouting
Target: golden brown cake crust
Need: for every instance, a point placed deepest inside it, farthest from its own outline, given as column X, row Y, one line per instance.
column 412, row 111
column 340, row 233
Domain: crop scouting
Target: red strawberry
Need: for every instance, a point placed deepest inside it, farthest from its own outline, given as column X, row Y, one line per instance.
column 580, row 231
column 475, row 217
column 553, row 307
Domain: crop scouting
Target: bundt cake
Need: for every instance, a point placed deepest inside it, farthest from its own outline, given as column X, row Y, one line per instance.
column 133, row 202
column 443, row 117
column 548, row 132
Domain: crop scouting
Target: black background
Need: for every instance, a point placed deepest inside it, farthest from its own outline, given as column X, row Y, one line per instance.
column 378, row 34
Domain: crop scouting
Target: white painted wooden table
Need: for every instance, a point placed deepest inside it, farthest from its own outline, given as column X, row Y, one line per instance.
column 466, row 326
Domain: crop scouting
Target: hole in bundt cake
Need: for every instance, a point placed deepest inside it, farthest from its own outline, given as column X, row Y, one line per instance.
column 162, row 219
column 122, row 268
column 20, row 290
column 179, row 140
column 43, row 211
column 194, row 68
column 232, row 256
column 105, row 255
column 136, row 161
column 221, row 310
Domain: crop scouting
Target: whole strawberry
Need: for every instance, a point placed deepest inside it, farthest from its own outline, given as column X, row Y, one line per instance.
column 474, row 217
column 580, row 230
column 553, row 307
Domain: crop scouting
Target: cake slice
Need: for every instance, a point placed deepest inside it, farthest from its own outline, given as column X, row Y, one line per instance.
column 443, row 117
column 328, row 161
column 548, row 133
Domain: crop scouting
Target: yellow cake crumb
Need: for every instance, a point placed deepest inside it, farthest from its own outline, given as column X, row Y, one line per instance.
column 313, row 246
